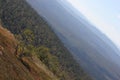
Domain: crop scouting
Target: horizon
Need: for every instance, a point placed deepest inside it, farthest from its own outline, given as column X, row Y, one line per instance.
column 96, row 13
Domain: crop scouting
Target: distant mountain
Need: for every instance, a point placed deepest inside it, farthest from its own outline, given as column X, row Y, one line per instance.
column 92, row 49
column 39, row 54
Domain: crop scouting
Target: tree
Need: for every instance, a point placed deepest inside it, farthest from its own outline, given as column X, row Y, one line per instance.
column 28, row 36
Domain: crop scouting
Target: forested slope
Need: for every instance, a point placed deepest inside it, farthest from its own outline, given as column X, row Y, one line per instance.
column 35, row 37
column 15, row 67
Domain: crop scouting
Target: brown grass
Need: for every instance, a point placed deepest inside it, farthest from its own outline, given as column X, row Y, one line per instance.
column 16, row 68
column 37, row 72
column 10, row 67
column 7, row 40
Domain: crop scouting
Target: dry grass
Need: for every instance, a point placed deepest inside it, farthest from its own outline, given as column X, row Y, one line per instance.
column 16, row 68
column 10, row 67
column 7, row 40
column 39, row 72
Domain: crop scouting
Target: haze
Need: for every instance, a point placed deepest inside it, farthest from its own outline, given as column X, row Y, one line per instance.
column 84, row 35
column 104, row 14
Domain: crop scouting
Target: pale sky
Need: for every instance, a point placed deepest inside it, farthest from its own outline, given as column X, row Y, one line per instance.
column 104, row 14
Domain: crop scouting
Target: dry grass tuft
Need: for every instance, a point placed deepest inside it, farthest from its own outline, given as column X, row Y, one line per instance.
column 7, row 40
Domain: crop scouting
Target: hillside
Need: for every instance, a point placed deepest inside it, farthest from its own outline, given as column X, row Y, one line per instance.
column 38, row 44
column 93, row 49
column 13, row 67
column 10, row 66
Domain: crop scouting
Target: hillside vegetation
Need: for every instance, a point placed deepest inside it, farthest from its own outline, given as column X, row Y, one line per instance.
column 14, row 67
column 38, row 49
column 8, row 62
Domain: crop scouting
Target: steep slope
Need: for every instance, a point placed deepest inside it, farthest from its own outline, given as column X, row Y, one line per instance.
column 13, row 67
column 22, row 20
column 10, row 67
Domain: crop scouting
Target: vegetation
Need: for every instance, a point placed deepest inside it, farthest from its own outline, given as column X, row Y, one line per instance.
column 27, row 49
column 36, row 38
column 16, row 67
column 9, row 65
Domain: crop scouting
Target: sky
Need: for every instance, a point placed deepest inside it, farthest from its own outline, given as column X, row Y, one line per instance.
column 104, row 14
